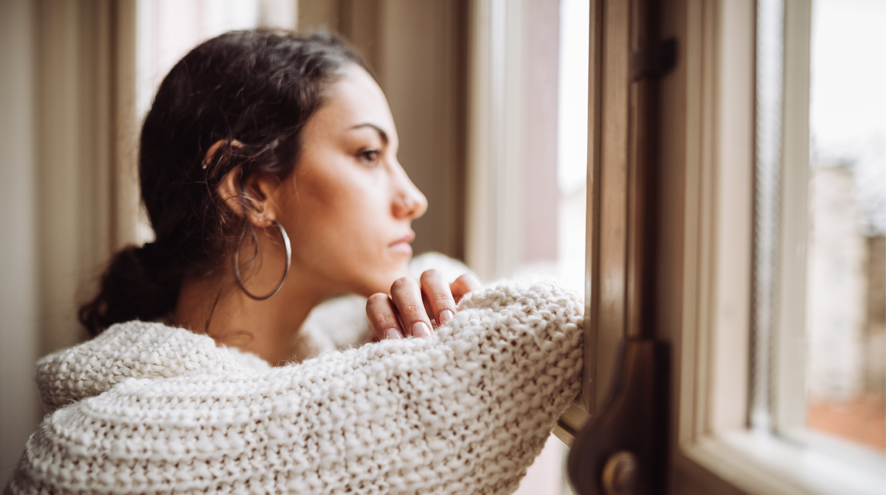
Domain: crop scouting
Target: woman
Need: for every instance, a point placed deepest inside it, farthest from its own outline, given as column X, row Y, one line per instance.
column 268, row 169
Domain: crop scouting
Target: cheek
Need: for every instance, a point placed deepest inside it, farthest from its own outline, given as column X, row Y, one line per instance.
column 343, row 226
column 358, row 253
column 352, row 208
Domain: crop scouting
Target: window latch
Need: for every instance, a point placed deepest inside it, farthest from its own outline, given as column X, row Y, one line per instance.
column 622, row 450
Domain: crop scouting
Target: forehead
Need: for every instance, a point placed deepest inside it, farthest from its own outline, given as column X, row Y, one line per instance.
column 353, row 100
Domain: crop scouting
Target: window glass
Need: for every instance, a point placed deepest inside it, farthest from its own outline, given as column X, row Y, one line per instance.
column 845, row 300
column 557, row 249
column 572, row 138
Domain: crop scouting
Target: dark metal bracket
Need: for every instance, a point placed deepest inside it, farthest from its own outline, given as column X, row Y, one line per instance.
column 622, row 451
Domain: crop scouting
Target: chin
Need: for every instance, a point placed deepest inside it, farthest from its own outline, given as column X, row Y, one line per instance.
column 383, row 282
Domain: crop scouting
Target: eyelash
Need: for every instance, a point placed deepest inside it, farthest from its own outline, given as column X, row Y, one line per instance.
column 369, row 157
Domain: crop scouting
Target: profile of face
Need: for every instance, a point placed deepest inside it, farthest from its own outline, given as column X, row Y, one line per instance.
column 349, row 204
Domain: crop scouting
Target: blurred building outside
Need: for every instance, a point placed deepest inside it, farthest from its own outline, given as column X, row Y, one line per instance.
column 846, row 308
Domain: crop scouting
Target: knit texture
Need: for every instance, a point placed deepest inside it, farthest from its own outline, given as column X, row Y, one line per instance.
column 149, row 408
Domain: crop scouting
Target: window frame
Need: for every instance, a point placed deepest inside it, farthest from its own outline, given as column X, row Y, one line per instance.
column 712, row 432
column 611, row 258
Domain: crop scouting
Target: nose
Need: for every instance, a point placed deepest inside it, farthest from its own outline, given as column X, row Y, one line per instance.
column 409, row 203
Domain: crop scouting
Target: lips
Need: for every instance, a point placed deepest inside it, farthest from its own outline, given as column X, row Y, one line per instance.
column 401, row 245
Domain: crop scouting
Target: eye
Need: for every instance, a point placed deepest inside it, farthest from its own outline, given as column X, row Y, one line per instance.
column 369, row 157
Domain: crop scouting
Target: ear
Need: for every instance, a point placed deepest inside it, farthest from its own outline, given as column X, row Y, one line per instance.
column 253, row 199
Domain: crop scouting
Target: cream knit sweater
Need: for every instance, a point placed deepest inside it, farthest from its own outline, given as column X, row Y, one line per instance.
column 149, row 408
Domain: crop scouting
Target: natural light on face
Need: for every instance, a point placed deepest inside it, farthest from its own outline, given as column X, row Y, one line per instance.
column 846, row 302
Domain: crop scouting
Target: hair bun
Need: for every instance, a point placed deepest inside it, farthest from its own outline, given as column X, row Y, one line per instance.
column 130, row 290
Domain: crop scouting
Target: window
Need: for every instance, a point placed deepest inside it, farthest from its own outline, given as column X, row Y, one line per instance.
column 758, row 238
column 733, row 279
column 818, row 346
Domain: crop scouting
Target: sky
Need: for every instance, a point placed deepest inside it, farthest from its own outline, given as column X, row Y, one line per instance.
column 848, row 96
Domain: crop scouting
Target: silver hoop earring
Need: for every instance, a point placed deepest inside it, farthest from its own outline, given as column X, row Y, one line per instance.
column 285, row 271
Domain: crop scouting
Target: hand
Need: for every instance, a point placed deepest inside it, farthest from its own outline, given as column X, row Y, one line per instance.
column 408, row 311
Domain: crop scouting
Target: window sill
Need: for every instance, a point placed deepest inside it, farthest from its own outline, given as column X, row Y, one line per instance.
column 759, row 463
column 571, row 422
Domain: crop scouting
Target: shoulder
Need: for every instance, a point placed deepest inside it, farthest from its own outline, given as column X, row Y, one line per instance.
column 133, row 349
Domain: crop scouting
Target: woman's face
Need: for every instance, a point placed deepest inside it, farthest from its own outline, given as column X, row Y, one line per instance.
column 349, row 204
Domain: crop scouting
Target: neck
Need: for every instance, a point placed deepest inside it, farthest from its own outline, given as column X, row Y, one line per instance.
column 265, row 328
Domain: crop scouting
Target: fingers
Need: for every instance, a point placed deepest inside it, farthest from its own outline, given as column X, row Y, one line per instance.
column 406, row 295
column 405, row 312
column 438, row 295
column 383, row 317
column 464, row 284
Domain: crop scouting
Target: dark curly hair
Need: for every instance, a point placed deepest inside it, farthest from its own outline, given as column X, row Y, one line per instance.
column 257, row 87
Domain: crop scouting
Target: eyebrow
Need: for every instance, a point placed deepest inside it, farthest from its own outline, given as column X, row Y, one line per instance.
column 381, row 133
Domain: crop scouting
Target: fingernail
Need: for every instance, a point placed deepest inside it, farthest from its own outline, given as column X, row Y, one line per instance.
column 445, row 316
column 392, row 334
column 421, row 329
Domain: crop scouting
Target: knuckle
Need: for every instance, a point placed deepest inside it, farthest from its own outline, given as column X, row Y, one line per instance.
column 376, row 300
column 431, row 275
column 403, row 283
column 378, row 296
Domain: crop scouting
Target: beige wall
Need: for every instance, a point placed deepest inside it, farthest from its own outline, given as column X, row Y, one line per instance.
column 86, row 152
column 18, row 210
column 68, row 181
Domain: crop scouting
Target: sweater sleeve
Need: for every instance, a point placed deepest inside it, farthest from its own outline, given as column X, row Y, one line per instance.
column 464, row 411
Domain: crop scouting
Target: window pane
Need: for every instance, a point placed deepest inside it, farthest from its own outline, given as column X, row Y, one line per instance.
column 555, row 247
column 572, row 139
column 845, row 300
